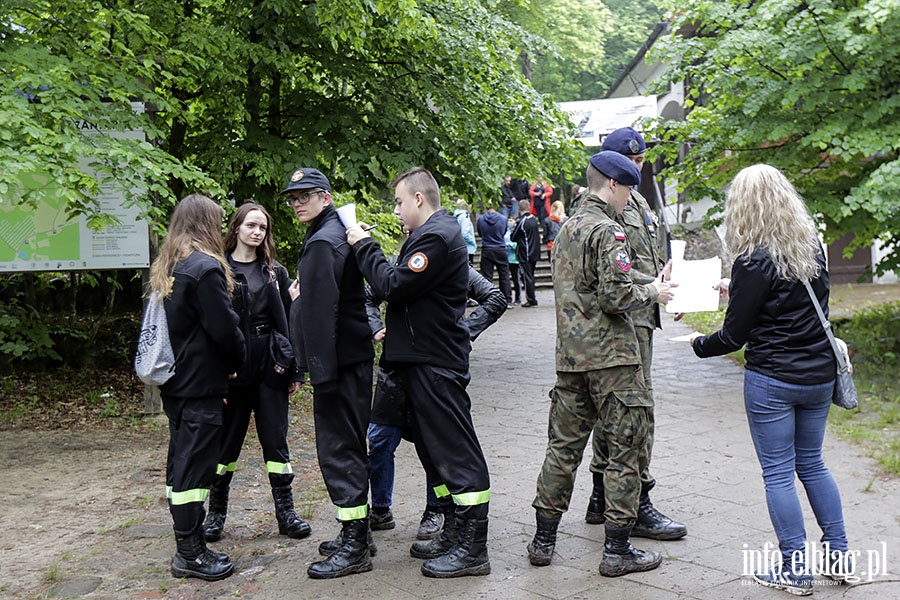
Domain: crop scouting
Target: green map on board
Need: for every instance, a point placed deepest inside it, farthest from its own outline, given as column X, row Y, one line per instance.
column 45, row 233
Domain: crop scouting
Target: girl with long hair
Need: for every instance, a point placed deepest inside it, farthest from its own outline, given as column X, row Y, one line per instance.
column 194, row 281
column 790, row 369
column 262, row 301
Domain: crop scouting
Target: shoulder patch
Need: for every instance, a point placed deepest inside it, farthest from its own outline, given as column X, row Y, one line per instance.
column 620, row 235
column 418, row 262
column 623, row 261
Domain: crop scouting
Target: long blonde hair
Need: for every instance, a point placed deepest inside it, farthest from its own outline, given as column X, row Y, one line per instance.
column 196, row 226
column 558, row 209
column 764, row 211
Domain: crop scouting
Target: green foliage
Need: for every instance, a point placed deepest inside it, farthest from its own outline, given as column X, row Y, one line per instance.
column 873, row 335
column 574, row 50
column 243, row 92
column 24, row 334
column 807, row 87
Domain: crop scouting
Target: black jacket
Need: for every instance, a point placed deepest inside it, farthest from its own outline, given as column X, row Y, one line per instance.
column 203, row 328
column 491, row 304
column 328, row 321
column 777, row 321
column 389, row 401
column 528, row 238
column 278, row 303
column 425, row 292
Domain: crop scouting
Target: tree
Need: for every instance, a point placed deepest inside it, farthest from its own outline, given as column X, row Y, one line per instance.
column 246, row 90
column 810, row 88
column 68, row 65
column 575, row 50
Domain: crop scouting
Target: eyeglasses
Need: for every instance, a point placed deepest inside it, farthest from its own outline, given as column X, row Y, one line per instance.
column 304, row 198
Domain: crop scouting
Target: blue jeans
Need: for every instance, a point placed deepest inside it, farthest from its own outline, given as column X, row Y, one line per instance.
column 787, row 424
column 383, row 442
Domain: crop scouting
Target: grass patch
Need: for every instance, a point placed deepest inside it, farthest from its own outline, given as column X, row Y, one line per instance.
column 123, row 525
column 873, row 335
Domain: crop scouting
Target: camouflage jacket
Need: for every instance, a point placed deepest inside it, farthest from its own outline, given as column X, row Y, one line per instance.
column 641, row 226
column 594, row 291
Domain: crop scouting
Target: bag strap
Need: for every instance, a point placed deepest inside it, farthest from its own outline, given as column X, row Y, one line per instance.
column 827, row 327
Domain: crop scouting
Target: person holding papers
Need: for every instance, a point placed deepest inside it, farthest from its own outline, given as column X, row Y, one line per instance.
column 641, row 226
column 790, row 372
column 331, row 338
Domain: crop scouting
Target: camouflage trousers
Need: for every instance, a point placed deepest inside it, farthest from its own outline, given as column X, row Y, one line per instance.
column 618, row 399
column 598, row 463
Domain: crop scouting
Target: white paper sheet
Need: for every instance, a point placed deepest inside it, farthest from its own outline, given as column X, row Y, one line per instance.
column 695, row 279
column 683, row 338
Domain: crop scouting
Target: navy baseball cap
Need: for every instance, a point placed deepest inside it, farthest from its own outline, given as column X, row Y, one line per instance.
column 625, row 141
column 617, row 167
column 307, row 179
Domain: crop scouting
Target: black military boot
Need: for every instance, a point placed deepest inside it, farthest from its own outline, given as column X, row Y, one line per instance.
column 193, row 559
column 289, row 523
column 621, row 558
column 328, row 548
column 214, row 525
column 469, row 556
column 445, row 540
column 655, row 525
column 352, row 556
column 597, row 502
column 540, row 549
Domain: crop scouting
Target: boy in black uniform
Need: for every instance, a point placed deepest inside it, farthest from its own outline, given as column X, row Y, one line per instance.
column 427, row 345
column 331, row 339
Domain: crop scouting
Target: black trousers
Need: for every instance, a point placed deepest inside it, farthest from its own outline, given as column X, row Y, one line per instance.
column 526, row 267
column 341, row 411
column 496, row 257
column 270, row 407
column 516, row 281
column 444, row 435
column 195, row 426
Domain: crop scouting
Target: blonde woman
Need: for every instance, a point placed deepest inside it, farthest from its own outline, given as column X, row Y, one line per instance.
column 193, row 277
column 552, row 224
column 790, row 369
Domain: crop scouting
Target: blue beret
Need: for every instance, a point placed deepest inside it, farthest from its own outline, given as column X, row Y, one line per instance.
column 625, row 141
column 307, row 179
column 615, row 166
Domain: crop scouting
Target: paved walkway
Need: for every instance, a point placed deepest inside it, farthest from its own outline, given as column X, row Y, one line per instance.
column 707, row 474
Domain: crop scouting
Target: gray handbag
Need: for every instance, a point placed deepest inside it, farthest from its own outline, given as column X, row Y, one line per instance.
column 844, row 389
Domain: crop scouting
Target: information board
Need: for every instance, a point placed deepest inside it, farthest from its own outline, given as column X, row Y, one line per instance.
column 47, row 238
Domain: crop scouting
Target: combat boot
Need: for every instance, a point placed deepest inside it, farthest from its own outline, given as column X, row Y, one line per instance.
column 289, row 523
column 442, row 543
column 328, row 548
column 352, row 556
column 540, row 549
column 193, row 559
column 214, row 525
column 597, row 502
column 621, row 558
column 469, row 556
column 654, row 525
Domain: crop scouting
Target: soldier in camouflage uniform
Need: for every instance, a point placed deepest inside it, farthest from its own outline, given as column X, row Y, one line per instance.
column 598, row 364
column 641, row 226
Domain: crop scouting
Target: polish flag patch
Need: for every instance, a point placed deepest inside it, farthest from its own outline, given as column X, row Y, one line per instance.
column 620, row 235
